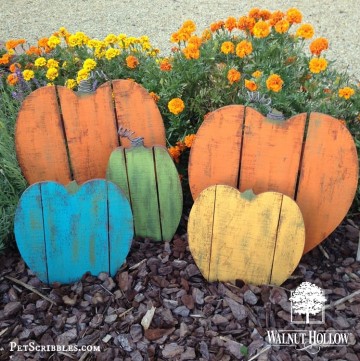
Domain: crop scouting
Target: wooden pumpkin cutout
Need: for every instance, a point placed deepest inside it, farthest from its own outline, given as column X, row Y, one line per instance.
column 63, row 136
column 63, row 232
column 232, row 235
column 151, row 182
column 316, row 165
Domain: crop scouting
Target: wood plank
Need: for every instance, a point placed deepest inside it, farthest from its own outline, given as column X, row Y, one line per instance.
column 91, row 131
column 200, row 229
column 137, row 111
column 143, row 194
column 290, row 241
column 215, row 153
column 71, row 244
column 121, row 227
column 29, row 231
column 39, row 138
column 271, row 153
column 328, row 177
column 169, row 192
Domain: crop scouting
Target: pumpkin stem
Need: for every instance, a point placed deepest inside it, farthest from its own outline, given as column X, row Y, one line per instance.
column 127, row 133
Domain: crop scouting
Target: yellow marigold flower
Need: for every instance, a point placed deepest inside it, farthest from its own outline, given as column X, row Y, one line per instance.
column 111, row 39
column 275, row 17
column 265, row 14
column 94, row 43
column 132, row 62
column 154, row 96
column 175, row 153
column 319, row 45
column 257, row 74
column 165, row 65
column 99, row 53
column 89, row 64
column 52, row 63
column 245, row 23
column 53, row 42
column 63, row 32
column 274, row 83
column 293, row 15
column 227, row 47
column 282, row 26
column 12, row 79
column 346, row 92
column 50, row 84
column 176, row 106
column 254, row 13
column 230, row 23
column 191, row 52
column 28, row 74
column 189, row 140
column 71, row 83
column 121, row 37
column 82, row 74
column 206, row 35
column 244, row 48
column 52, row 73
column 72, row 40
column 261, row 29
column 317, row 65
column 251, row 85
column 233, row 76
column 39, row 62
column 14, row 66
column 112, row 53
column 305, row 31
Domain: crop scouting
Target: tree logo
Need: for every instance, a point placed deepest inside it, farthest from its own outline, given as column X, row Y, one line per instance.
column 308, row 299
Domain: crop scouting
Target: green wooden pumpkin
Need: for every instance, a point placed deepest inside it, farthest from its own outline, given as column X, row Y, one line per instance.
column 151, row 182
column 64, row 232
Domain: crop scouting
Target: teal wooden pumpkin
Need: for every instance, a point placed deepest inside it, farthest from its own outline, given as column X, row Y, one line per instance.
column 151, row 182
column 64, row 232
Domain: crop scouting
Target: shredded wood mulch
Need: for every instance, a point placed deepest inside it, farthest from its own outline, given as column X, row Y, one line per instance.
column 159, row 307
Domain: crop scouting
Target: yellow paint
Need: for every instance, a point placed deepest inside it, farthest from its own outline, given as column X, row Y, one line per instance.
column 236, row 238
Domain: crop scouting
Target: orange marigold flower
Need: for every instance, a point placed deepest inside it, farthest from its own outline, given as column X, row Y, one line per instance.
column 274, row 83
column 165, row 65
column 216, row 26
column 251, row 85
column 132, row 62
column 319, row 45
column 233, row 76
column 261, row 29
column 293, row 15
column 12, row 79
column 5, row 59
column 282, row 26
column 275, row 17
column 346, row 92
column 230, row 23
column 13, row 43
column 227, row 47
column 33, row 50
column 42, row 43
column 244, row 48
column 175, row 37
column 184, row 35
column 195, row 40
column 189, row 26
column 245, row 23
column 175, row 153
column 257, row 74
column 317, row 65
column 254, row 13
column 14, row 66
column 181, row 145
column 154, row 96
column 189, row 140
column 265, row 14
column 305, row 31
column 206, row 35
column 191, row 52
column 176, row 106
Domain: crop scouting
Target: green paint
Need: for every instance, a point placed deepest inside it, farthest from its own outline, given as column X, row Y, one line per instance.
column 249, row 195
column 72, row 187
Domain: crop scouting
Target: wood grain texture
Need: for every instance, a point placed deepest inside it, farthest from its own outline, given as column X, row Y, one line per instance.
column 328, row 177
column 136, row 110
column 249, row 237
column 319, row 170
column 215, row 153
column 39, row 138
column 271, row 153
column 86, row 231
column 91, row 131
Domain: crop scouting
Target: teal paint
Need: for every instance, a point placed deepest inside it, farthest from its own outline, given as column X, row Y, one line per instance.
column 86, row 231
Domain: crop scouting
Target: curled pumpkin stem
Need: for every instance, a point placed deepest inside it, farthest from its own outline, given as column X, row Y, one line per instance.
column 127, row 133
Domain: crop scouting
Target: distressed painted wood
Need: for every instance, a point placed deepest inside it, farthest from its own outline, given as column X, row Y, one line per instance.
column 63, row 233
column 63, row 136
column 235, row 235
column 314, row 161
column 149, row 178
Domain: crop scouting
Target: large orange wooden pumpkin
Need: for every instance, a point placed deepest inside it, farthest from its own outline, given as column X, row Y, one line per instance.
column 63, row 136
column 311, row 159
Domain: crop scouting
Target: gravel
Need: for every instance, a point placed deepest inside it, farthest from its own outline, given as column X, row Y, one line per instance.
column 32, row 19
